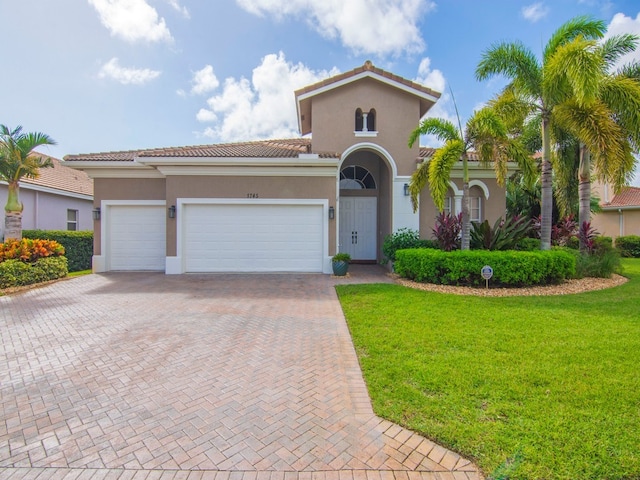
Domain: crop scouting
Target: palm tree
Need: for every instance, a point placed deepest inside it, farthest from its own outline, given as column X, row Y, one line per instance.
column 487, row 134
column 17, row 160
column 565, row 74
column 617, row 98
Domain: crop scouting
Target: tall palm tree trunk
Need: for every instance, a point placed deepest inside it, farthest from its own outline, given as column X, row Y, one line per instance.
column 584, row 190
column 466, row 221
column 13, row 213
column 546, row 180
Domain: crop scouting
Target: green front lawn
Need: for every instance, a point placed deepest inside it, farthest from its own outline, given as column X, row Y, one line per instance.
column 548, row 387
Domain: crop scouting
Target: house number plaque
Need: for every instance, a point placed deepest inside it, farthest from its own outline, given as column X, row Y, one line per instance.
column 253, row 195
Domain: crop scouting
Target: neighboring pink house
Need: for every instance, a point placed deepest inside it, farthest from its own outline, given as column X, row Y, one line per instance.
column 620, row 212
column 279, row 205
column 61, row 198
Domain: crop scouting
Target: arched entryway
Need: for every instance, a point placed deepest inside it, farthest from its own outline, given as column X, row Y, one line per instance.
column 365, row 185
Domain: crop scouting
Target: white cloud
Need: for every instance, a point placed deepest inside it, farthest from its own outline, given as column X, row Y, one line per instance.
column 204, row 81
column 205, row 115
column 433, row 79
column 380, row 27
column 620, row 24
column 534, row 12
column 127, row 76
column 179, row 8
column 263, row 107
column 132, row 20
column 444, row 107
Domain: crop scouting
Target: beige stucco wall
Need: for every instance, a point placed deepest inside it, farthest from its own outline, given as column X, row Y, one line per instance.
column 123, row 189
column 397, row 114
column 492, row 208
column 614, row 223
column 241, row 187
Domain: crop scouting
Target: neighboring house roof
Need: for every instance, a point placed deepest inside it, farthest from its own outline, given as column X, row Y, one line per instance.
column 427, row 96
column 281, row 148
column 60, row 178
column 628, row 197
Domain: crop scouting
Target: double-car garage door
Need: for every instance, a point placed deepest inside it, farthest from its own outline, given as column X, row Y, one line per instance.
column 252, row 238
column 220, row 237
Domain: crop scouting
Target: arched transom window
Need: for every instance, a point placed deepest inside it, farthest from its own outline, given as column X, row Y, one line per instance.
column 355, row 177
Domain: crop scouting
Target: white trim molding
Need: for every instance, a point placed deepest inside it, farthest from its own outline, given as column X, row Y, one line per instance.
column 481, row 185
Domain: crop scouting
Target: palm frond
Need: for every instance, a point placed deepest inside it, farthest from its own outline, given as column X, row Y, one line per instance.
column 631, row 70
column 440, row 168
column 617, row 46
column 595, row 126
column 515, row 62
column 573, row 71
column 621, row 94
column 419, row 179
column 443, row 129
column 583, row 26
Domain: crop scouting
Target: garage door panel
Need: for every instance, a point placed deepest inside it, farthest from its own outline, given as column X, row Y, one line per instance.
column 253, row 238
column 137, row 237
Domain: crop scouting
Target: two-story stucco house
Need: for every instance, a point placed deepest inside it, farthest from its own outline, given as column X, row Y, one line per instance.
column 279, row 205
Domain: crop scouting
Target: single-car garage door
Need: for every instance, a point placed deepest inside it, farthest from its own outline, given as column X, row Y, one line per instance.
column 137, row 237
column 253, row 238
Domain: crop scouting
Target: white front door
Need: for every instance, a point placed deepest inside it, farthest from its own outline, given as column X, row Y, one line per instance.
column 358, row 225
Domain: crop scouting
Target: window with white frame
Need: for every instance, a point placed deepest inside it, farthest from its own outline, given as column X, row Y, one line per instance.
column 475, row 209
column 72, row 220
column 448, row 201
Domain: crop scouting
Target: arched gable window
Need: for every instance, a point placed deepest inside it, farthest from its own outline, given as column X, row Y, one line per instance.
column 371, row 120
column 355, row 177
column 359, row 120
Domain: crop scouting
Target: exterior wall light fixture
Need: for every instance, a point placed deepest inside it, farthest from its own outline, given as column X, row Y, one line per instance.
column 332, row 213
column 96, row 213
column 406, row 189
column 172, row 211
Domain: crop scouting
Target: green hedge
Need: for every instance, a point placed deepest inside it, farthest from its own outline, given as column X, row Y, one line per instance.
column 78, row 246
column 510, row 268
column 629, row 246
column 15, row 273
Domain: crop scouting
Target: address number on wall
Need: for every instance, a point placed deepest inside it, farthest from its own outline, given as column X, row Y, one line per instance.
column 253, row 195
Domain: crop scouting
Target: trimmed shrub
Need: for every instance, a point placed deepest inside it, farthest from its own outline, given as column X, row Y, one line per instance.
column 528, row 244
column 510, row 268
column 401, row 239
column 629, row 246
column 15, row 273
column 78, row 245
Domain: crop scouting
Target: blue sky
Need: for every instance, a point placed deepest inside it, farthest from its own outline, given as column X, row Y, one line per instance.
column 103, row 75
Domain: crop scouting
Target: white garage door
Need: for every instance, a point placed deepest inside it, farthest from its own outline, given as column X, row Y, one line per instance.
column 137, row 237
column 253, row 238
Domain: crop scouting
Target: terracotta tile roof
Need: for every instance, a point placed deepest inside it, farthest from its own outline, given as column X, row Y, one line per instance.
column 281, row 148
column 427, row 152
column 627, row 197
column 367, row 67
column 62, row 178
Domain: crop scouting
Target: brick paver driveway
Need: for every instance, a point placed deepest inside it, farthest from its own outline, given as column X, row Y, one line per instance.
column 232, row 377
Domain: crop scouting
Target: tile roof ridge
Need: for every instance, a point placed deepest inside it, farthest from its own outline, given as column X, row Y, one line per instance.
column 368, row 66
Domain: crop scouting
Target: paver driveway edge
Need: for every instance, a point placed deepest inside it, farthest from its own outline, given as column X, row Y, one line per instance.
column 147, row 376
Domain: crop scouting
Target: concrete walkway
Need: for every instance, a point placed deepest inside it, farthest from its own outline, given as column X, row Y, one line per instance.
column 226, row 377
